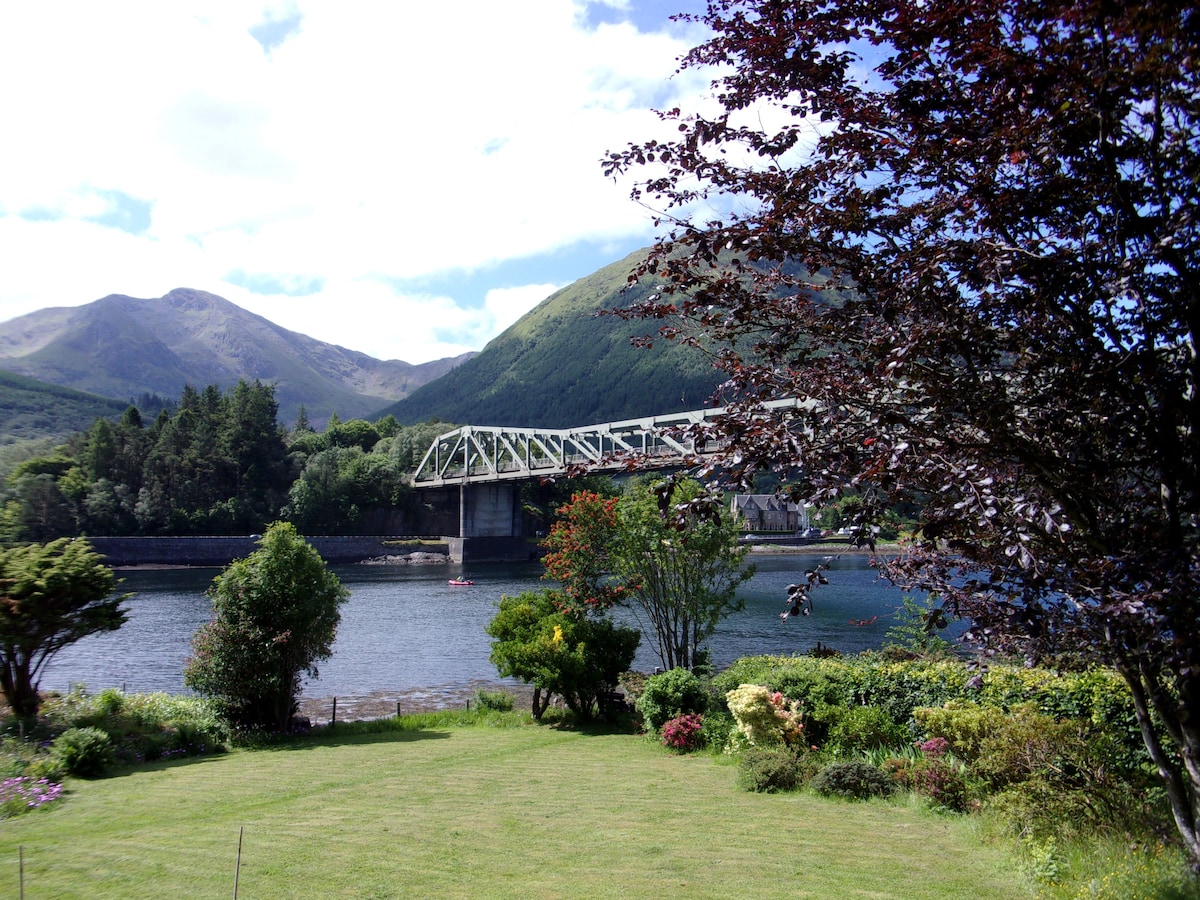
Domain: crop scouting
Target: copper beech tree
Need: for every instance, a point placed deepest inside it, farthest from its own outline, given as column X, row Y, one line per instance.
column 963, row 234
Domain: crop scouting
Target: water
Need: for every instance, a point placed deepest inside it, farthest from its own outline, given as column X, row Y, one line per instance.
column 405, row 627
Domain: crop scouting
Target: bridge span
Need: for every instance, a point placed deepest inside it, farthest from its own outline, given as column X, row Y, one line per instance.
column 471, row 476
column 476, row 454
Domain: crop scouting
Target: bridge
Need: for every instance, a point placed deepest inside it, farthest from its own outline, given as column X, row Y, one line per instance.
column 476, row 454
column 484, row 465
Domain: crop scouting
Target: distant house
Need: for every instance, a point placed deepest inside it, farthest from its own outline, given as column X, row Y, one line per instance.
column 766, row 512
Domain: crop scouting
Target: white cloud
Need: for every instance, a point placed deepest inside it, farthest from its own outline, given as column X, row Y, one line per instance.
column 319, row 145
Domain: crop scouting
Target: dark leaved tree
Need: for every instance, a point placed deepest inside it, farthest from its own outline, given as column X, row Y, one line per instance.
column 963, row 234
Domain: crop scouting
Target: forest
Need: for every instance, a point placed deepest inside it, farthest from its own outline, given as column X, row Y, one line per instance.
column 214, row 463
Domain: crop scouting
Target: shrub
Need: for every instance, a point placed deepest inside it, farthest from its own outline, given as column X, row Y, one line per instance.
column 764, row 717
column 579, row 659
column 109, row 702
column 83, row 751
column 853, row 780
column 963, row 723
column 275, row 616
column 910, row 636
column 716, row 730
column 45, row 767
column 862, row 728
column 665, row 696
column 1047, row 777
column 501, row 701
column 1097, row 696
column 1005, row 748
column 684, row 733
column 768, row 771
column 934, row 776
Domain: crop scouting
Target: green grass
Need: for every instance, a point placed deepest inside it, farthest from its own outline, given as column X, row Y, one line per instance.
column 483, row 812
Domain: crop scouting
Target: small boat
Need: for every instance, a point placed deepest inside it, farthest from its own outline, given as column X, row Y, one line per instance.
column 460, row 582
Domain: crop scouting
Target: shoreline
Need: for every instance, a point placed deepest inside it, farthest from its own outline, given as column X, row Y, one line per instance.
column 825, row 548
column 382, row 704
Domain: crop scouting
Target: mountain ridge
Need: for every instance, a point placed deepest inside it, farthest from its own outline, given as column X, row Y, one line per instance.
column 564, row 364
column 120, row 346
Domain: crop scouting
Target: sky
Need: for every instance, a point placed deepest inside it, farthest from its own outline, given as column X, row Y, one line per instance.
column 402, row 179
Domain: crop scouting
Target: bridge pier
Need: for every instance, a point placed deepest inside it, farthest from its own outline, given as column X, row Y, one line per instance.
column 490, row 549
column 489, row 524
column 489, row 510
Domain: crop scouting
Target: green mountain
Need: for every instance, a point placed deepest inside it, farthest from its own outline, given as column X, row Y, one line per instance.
column 31, row 409
column 561, row 365
column 122, row 347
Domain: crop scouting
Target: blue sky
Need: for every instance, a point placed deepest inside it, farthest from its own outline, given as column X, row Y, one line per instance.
column 405, row 181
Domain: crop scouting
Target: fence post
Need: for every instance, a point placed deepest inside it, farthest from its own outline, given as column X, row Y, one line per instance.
column 237, row 870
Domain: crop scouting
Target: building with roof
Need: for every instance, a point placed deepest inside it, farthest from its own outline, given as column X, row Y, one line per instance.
column 768, row 513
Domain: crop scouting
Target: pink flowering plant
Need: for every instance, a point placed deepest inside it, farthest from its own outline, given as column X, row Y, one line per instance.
column 935, row 747
column 22, row 793
column 684, row 733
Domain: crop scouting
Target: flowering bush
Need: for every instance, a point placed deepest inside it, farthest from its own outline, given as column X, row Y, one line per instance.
column 764, row 717
column 20, row 794
column 684, row 733
column 935, row 747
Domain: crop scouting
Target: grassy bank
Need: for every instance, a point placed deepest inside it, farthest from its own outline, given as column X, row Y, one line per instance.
column 483, row 812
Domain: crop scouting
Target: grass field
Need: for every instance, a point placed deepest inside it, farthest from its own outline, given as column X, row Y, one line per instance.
column 483, row 812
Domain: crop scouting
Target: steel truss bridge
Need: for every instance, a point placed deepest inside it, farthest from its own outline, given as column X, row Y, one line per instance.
column 477, row 454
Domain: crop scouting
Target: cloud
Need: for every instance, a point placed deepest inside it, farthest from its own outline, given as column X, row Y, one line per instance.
column 276, row 26
column 350, row 170
column 288, row 285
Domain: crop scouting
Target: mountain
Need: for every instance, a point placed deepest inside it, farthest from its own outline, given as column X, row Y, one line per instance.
column 121, row 347
column 32, row 409
column 561, row 365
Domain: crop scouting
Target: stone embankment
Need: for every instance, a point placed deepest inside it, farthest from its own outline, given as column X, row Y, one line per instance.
column 220, row 551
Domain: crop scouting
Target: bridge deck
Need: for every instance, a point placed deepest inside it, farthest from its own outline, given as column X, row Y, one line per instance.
column 482, row 453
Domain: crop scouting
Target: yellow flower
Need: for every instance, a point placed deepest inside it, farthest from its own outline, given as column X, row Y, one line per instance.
column 558, row 635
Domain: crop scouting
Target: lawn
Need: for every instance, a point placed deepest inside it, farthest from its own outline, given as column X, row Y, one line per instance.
column 483, row 812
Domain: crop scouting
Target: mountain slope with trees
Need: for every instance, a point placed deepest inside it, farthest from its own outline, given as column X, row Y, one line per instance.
column 32, row 409
column 562, row 365
column 122, row 347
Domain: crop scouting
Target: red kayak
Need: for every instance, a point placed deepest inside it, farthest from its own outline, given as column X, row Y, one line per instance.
column 460, row 582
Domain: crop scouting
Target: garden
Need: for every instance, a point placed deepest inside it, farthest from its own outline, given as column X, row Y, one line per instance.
column 875, row 775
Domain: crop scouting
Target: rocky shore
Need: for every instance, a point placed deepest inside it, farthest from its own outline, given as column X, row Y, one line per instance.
column 380, row 704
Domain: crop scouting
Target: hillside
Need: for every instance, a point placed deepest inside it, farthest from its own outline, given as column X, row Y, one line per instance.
column 561, row 365
column 32, row 409
column 122, row 346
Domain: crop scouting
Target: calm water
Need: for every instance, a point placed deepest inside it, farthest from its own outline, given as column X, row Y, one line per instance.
column 405, row 627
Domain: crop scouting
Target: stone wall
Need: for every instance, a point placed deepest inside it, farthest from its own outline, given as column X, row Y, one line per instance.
column 220, row 551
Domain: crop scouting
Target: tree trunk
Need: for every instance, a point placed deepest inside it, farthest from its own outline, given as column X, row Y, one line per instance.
column 18, row 690
column 540, row 702
column 1180, row 781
